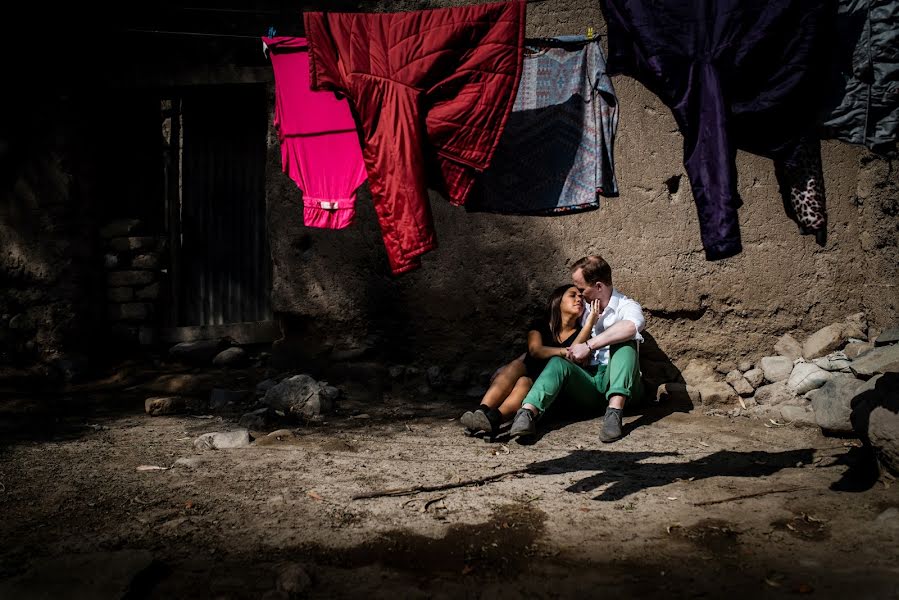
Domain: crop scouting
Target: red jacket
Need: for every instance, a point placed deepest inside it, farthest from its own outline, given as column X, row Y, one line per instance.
column 432, row 90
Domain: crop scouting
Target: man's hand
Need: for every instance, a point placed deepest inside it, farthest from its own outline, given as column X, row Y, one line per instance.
column 579, row 353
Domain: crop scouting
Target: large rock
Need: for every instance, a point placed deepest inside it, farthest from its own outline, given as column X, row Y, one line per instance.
column 788, row 346
column 806, row 377
column 164, row 405
column 239, row 438
column 200, row 352
column 755, row 377
column 798, row 415
column 855, row 326
column 875, row 417
column 744, row 366
column 776, row 368
column 734, row 375
column 301, row 396
column 130, row 278
column 825, row 340
column 699, row 371
column 221, row 399
column 855, row 349
column 774, row 394
column 230, row 357
column 678, row 393
column 742, row 387
column 888, row 336
column 884, row 359
column 832, row 403
column 717, row 392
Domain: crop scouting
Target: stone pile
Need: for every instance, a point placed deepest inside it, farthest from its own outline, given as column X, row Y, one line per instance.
column 840, row 379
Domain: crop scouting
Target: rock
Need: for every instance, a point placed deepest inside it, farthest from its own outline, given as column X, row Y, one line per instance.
column 788, row 346
column 119, row 228
column 263, row 386
column 110, row 261
column 459, row 375
column 890, row 335
column 776, row 368
column 221, row 441
column 164, row 405
column 855, row 349
column 71, row 366
column 773, row 394
column 742, row 387
column 279, row 436
column 835, row 361
column 255, row 420
column 149, row 292
column 855, row 326
column 21, row 322
column 888, row 518
column 130, row 278
column 199, row 353
column 884, row 359
column 75, row 576
column 725, row 367
column 806, row 377
column 798, row 415
column 119, row 294
column 293, row 579
column 734, row 375
column 396, row 371
column 745, row 366
column 716, row 392
column 832, row 403
column 230, row 357
column 825, row 340
column 679, row 393
column 145, row 262
column 181, row 384
column 755, row 377
column 301, row 396
column 219, row 398
column 123, row 244
column 697, row 372
column 875, row 417
column 435, row 377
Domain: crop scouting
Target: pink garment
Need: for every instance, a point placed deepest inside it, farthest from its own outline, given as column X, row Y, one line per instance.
column 319, row 145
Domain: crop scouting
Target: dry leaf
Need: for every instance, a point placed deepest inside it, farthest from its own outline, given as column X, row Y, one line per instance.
column 189, row 504
column 151, row 468
column 701, row 443
column 672, row 497
column 771, row 582
column 467, row 569
column 670, row 527
column 584, row 509
column 743, row 404
column 804, row 588
column 314, row 495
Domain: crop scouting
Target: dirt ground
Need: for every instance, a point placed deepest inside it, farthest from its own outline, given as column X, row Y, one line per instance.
column 686, row 505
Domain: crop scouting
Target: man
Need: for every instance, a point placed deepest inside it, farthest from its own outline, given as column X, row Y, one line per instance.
column 605, row 368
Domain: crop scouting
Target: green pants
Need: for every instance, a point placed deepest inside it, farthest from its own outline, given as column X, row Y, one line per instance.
column 584, row 391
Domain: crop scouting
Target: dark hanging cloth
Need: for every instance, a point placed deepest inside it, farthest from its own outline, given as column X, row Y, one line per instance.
column 737, row 74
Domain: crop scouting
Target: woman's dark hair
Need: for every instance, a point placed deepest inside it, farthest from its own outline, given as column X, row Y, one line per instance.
column 554, row 309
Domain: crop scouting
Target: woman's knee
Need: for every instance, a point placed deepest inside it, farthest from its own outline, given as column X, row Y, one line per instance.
column 524, row 383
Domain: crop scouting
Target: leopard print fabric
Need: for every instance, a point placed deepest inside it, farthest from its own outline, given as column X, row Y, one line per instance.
column 802, row 181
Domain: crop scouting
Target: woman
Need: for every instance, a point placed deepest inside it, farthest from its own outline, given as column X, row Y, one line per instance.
column 547, row 337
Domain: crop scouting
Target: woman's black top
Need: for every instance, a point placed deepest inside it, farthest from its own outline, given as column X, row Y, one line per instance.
column 535, row 366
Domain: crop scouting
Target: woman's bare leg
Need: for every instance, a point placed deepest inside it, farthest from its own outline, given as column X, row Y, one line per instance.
column 504, row 384
column 513, row 401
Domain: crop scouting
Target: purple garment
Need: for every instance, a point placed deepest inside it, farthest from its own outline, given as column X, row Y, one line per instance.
column 736, row 74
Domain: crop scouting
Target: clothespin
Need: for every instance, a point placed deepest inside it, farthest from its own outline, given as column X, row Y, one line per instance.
column 589, row 32
column 271, row 31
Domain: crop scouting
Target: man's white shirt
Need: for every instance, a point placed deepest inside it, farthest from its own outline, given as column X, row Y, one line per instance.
column 620, row 308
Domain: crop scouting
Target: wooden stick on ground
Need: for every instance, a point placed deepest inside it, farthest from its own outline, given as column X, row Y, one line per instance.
column 744, row 496
column 437, row 488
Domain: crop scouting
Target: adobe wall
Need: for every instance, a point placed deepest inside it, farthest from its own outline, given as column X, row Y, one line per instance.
column 473, row 296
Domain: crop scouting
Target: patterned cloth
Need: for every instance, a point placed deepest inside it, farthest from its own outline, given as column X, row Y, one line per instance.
column 555, row 155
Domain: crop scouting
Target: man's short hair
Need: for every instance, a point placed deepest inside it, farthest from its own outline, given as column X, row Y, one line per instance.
column 594, row 269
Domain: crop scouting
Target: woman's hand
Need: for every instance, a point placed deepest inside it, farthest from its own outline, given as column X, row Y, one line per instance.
column 593, row 317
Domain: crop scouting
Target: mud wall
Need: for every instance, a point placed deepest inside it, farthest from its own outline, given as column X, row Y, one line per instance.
column 473, row 296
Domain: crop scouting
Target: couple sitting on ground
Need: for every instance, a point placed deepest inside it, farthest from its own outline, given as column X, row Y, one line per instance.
column 584, row 351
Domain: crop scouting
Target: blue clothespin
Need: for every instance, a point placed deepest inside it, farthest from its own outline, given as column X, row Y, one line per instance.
column 271, row 31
